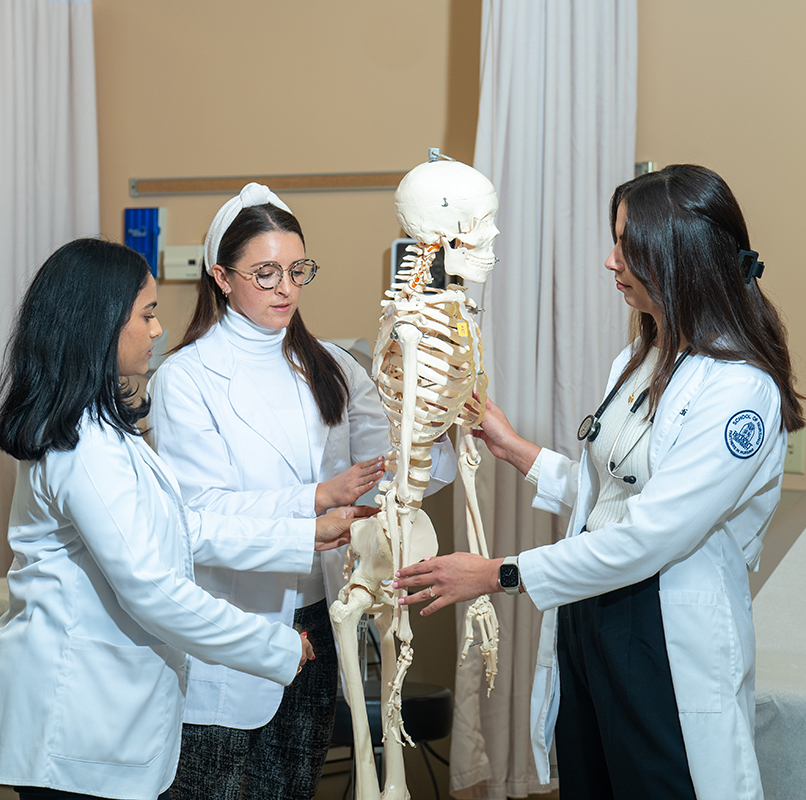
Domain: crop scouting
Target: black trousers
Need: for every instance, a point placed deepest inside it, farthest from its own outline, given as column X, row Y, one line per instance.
column 283, row 759
column 618, row 732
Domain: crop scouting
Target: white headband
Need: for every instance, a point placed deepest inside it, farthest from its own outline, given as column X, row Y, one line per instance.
column 253, row 194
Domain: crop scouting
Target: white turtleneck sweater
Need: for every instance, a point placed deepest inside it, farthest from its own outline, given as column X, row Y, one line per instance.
column 260, row 352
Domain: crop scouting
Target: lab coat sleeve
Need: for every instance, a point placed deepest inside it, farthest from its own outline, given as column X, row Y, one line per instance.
column 557, row 483
column 185, row 434
column 369, row 427
column 696, row 485
column 249, row 544
column 99, row 494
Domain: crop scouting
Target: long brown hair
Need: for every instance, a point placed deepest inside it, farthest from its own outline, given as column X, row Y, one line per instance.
column 682, row 236
column 304, row 352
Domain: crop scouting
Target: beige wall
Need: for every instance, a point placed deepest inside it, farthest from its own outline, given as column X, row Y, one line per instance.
column 720, row 83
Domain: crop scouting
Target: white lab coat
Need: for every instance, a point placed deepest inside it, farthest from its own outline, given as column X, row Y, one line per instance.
column 699, row 521
column 104, row 608
column 231, row 454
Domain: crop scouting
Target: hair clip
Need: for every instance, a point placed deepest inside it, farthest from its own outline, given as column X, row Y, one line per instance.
column 749, row 260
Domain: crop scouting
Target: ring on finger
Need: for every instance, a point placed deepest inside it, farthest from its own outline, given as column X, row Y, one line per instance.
column 431, row 593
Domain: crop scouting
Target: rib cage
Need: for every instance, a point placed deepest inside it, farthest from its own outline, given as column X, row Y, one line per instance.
column 449, row 368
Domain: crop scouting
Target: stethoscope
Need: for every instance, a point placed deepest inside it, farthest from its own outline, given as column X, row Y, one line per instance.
column 590, row 426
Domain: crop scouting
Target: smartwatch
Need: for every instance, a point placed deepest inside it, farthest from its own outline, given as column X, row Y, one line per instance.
column 509, row 576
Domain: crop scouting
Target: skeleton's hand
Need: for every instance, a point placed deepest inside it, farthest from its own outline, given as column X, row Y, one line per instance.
column 349, row 485
column 333, row 529
column 453, row 578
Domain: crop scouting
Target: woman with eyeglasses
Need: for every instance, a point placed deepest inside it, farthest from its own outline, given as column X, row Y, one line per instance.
column 645, row 668
column 257, row 416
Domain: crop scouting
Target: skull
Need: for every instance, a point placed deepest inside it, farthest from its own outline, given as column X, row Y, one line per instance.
column 450, row 204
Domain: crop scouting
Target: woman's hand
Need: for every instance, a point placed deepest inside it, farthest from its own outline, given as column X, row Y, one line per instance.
column 307, row 651
column 502, row 441
column 453, row 578
column 333, row 528
column 349, row 485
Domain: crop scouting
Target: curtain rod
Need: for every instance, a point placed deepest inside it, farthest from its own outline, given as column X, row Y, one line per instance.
column 336, row 181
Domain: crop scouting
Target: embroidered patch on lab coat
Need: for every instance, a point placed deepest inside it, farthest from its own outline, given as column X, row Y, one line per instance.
column 744, row 434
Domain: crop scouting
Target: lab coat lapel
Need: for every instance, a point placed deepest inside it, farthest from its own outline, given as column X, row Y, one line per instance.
column 674, row 405
column 317, row 431
column 163, row 475
column 251, row 407
column 246, row 401
column 167, row 482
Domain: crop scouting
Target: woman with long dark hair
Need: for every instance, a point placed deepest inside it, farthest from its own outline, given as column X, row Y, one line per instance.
column 646, row 664
column 257, row 416
column 103, row 606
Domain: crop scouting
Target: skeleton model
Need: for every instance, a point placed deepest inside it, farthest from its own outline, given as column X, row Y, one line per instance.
column 427, row 364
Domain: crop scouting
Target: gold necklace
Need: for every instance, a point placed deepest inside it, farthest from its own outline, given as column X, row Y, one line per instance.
column 634, row 385
column 635, row 382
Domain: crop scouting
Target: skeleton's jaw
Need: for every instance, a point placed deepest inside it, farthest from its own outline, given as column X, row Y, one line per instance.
column 461, row 261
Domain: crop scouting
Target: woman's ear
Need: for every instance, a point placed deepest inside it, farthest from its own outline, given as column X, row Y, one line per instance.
column 221, row 278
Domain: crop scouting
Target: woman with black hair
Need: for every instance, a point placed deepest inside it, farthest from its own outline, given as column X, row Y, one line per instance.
column 646, row 659
column 103, row 606
column 257, row 416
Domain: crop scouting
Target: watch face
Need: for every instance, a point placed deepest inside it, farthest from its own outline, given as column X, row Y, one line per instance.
column 509, row 576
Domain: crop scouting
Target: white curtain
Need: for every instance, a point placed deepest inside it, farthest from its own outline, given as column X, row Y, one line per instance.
column 48, row 136
column 556, row 135
column 48, row 152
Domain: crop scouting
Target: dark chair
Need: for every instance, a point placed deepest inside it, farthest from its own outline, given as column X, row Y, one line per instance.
column 427, row 715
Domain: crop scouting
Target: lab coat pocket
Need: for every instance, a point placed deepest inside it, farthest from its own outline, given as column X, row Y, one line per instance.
column 114, row 703
column 691, row 628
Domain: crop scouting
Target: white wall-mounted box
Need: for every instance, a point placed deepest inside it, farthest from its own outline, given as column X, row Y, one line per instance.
column 796, row 453
column 182, row 262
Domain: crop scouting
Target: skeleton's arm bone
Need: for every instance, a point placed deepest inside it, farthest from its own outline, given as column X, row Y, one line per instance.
column 409, row 338
column 468, row 465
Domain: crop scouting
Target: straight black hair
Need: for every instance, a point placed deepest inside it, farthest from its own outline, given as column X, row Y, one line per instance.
column 682, row 236
column 62, row 358
column 302, row 350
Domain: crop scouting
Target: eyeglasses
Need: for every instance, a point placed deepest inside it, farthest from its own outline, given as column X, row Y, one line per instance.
column 269, row 275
